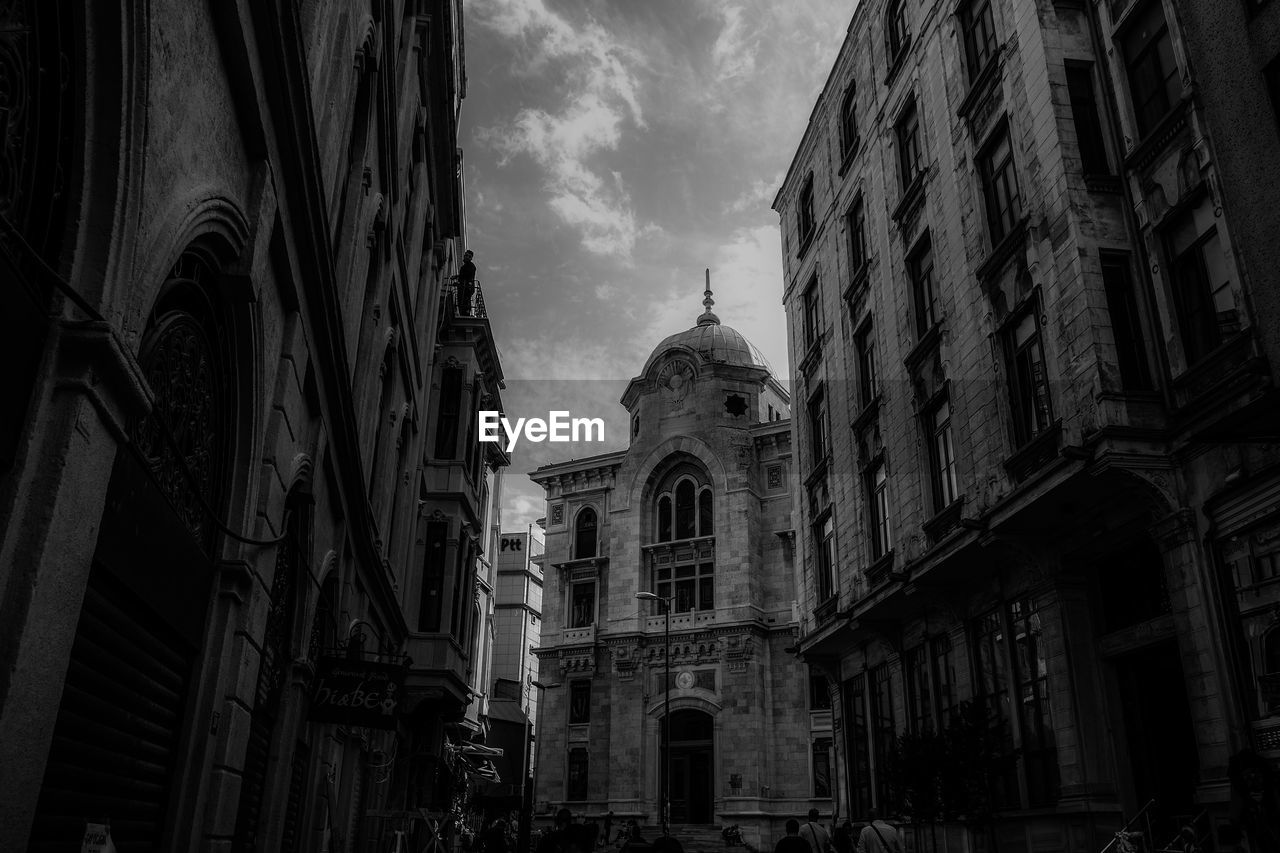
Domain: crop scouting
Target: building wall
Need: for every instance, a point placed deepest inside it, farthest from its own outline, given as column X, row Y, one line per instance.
column 730, row 660
column 286, row 182
column 1058, row 515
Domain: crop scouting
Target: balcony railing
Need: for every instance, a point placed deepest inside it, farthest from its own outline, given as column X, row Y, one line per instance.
column 465, row 299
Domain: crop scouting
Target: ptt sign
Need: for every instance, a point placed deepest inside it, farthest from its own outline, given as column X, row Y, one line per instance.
column 511, row 543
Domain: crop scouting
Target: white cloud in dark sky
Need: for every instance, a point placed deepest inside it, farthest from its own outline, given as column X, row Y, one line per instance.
column 614, row 149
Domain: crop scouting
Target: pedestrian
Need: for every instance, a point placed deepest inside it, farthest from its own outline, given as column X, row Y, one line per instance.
column 792, row 842
column 495, row 838
column 842, row 838
column 608, row 828
column 635, row 840
column 878, row 836
column 1255, row 801
column 564, row 838
column 816, row 834
column 466, row 283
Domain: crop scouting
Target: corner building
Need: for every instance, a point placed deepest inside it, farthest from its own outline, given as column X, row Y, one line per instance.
column 234, row 440
column 1038, row 440
column 698, row 510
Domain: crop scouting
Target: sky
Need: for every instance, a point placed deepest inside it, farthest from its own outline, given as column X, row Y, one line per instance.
column 613, row 151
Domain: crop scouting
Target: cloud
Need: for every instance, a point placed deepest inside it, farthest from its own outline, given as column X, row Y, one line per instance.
column 601, row 95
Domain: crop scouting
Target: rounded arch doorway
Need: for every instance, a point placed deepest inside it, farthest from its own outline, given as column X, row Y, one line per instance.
column 692, row 766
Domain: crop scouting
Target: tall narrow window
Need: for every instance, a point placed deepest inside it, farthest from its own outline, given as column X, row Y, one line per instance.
column 664, row 518
column 434, row 561
column 895, row 29
column 705, row 513
column 582, row 605
column 865, row 343
column 805, row 222
column 883, row 732
column 1153, row 72
column 824, row 542
column 979, row 36
column 849, row 122
column 1039, row 748
column 944, row 675
column 577, row 782
column 812, row 313
column 1087, row 120
column 991, row 686
column 925, row 289
column 818, row 427
column 910, row 153
column 450, row 410
column 943, row 456
column 1000, row 186
column 1204, row 288
column 915, row 669
column 856, row 744
column 857, row 222
column 878, row 500
column 686, row 521
column 579, row 702
column 822, row 767
column 1028, row 379
column 584, row 537
column 819, row 691
column 1126, row 327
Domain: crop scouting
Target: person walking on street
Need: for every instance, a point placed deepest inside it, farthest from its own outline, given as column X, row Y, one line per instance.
column 878, row 836
column 792, row 842
column 816, row 834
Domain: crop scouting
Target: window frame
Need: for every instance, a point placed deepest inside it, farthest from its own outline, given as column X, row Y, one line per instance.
column 880, row 531
column 849, row 137
column 811, row 303
column 1086, row 119
column 1003, row 214
column 1125, row 313
column 577, row 775
column 897, row 35
column 924, row 286
column 669, row 495
column 884, row 730
column 868, row 378
column 579, row 711
column 976, row 61
column 574, row 589
column 1146, row 120
column 1027, row 422
column 578, row 531
column 1201, row 339
column 856, row 223
column 907, row 133
column 824, row 544
column 819, row 427
column 806, row 223
column 943, row 466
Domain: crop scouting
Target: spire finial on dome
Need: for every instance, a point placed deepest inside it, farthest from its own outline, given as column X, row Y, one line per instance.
column 708, row 317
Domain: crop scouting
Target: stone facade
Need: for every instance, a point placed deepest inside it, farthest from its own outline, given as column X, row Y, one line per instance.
column 1034, row 374
column 634, row 521
column 229, row 237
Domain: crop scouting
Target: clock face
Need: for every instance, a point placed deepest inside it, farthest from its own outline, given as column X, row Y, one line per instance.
column 684, row 680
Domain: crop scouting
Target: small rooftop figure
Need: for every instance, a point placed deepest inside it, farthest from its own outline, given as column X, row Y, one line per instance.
column 466, row 283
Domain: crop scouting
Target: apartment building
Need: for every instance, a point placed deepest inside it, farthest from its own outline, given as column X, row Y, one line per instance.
column 1038, row 421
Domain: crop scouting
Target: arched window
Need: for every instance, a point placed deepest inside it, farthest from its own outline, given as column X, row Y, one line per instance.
column 895, row 28
column 686, row 524
column 849, row 122
column 684, row 509
column 664, row 518
column 704, row 512
column 584, row 534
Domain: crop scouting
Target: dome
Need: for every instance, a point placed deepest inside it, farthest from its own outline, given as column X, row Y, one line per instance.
column 712, row 342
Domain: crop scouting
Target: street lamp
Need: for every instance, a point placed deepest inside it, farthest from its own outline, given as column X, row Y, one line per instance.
column 665, row 804
column 526, row 778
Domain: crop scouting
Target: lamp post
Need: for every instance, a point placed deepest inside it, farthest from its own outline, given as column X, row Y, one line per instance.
column 665, row 800
column 526, row 778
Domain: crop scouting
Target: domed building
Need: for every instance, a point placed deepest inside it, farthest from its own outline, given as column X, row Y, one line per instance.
column 695, row 516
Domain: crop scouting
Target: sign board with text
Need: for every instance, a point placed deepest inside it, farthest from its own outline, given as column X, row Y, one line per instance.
column 356, row 692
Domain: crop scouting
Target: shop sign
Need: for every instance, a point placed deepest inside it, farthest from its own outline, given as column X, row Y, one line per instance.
column 356, row 692
column 97, row 839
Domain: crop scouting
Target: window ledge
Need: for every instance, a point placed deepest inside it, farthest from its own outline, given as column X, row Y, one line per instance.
column 1156, row 140
column 881, row 571
column 812, row 355
column 819, row 469
column 1035, row 453
column 1104, row 184
column 805, row 242
column 980, row 85
column 944, row 520
column 1217, row 370
column 927, row 345
column 857, row 283
column 1003, row 251
column 826, row 610
column 899, row 59
column 867, row 414
column 912, row 196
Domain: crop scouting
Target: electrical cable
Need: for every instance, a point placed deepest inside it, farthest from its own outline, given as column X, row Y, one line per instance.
column 54, row 276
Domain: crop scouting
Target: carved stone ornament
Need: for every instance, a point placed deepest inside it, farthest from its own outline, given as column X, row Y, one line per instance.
column 676, row 379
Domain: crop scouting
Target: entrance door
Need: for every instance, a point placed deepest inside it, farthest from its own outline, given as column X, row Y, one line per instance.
column 692, row 774
column 1160, row 736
